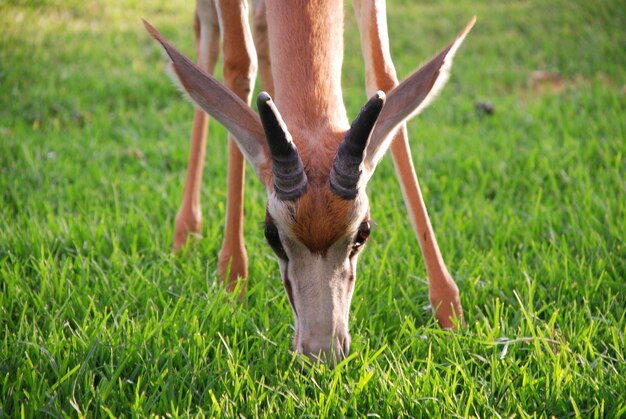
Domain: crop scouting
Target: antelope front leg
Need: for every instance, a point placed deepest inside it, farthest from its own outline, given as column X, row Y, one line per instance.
column 381, row 75
column 442, row 290
column 189, row 217
column 239, row 76
column 262, row 45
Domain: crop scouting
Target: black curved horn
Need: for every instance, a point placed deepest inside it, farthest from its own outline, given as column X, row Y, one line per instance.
column 290, row 181
column 346, row 172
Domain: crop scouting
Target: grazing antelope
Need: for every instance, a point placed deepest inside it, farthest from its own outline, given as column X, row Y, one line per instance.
column 313, row 164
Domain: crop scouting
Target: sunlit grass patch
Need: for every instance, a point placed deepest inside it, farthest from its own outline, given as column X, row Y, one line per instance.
column 97, row 318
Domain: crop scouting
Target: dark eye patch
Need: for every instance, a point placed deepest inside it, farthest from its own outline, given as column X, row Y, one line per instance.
column 361, row 236
column 273, row 238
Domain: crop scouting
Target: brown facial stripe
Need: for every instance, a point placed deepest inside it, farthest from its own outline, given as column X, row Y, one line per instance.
column 321, row 219
column 287, row 286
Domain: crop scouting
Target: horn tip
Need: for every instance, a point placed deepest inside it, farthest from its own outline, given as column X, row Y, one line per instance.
column 263, row 98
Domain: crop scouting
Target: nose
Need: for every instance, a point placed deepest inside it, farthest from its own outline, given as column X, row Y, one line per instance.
column 330, row 349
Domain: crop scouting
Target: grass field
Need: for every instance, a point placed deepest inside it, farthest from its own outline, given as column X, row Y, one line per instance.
column 97, row 318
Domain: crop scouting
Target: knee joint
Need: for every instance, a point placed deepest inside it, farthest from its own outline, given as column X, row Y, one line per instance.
column 239, row 74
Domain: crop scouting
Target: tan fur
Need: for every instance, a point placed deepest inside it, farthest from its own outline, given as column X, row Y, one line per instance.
column 383, row 75
column 306, row 54
column 262, row 46
column 239, row 74
column 189, row 217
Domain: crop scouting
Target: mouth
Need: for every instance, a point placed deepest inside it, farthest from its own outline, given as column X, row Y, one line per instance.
column 334, row 350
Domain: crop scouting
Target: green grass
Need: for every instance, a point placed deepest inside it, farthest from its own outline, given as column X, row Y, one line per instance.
column 529, row 205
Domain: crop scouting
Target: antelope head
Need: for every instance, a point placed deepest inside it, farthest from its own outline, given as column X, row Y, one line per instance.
column 317, row 227
column 317, row 214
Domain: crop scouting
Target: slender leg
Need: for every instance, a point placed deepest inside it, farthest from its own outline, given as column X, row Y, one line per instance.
column 239, row 76
column 381, row 74
column 189, row 217
column 262, row 46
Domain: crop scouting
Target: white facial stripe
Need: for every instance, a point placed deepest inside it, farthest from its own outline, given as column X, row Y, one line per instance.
column 359, row 210
column 282, row 212
column 320, row 287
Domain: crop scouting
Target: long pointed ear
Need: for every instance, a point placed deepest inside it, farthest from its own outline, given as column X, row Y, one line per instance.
column 410, row 97
column 219, row 102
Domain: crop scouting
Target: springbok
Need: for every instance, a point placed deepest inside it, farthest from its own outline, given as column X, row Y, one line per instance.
column 313, row 164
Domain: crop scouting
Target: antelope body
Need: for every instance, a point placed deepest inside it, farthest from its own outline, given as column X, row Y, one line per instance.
column 313, row 164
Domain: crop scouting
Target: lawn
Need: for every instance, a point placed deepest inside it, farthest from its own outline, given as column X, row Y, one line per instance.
column 97, row 318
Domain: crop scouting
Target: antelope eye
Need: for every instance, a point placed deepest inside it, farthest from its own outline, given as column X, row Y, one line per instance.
column 273, row 238
column 361, row 235
column 271, row 234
